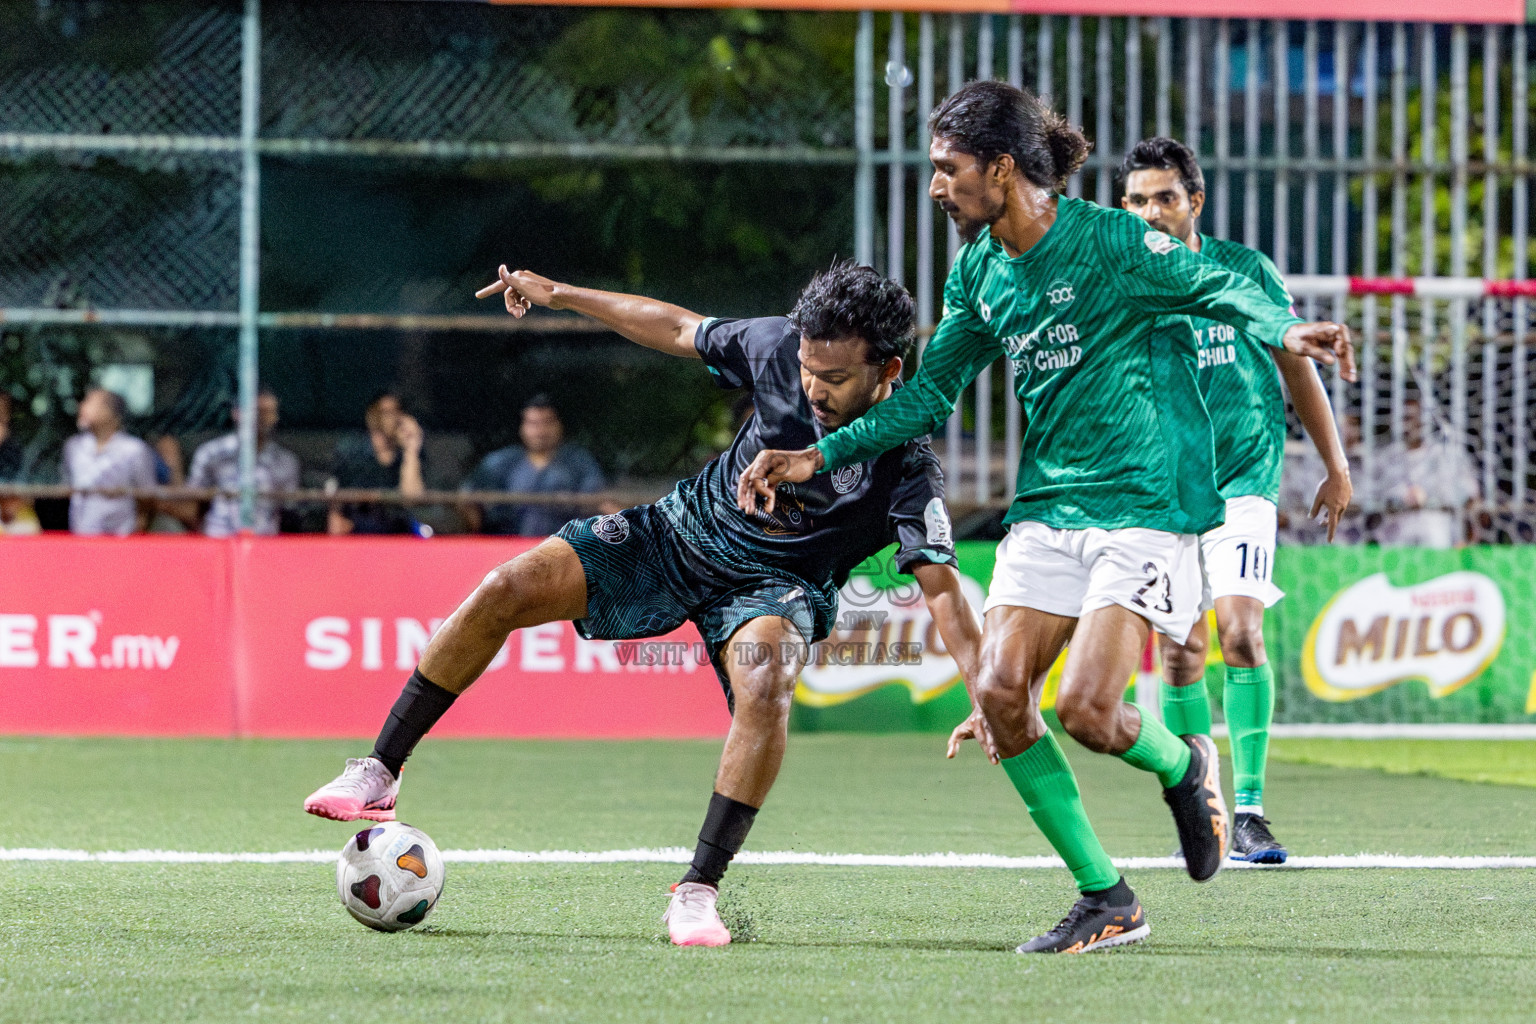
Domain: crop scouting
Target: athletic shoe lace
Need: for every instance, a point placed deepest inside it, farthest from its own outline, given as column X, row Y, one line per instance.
column 1258, row 826
column 1068, row 924
column 357, row 778
column 691, row 904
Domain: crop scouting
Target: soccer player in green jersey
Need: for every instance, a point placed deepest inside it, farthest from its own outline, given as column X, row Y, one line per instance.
column 1164, row 187
column 1116, row 476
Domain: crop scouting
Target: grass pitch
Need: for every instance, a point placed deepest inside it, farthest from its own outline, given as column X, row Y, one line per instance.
column 158, row 942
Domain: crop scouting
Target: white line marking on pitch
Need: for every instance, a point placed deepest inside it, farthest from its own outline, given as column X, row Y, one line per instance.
column 679, row 855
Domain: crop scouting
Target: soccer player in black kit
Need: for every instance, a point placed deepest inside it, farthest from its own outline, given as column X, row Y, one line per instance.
column 750, row 583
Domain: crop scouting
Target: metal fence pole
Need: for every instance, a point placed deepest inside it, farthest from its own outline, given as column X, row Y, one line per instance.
column 1132, row 83
column 1103, row 122
column 1520, row 211
column 1251, row 53
column 864, row 140
column 1428, row 236
column 1016, row 50
column 1164, row 76
column 1489, row 424
column 923, row 207
column 1399, row 223
column 1193, row 59
column 1460, row 114
column 1045, row 49
column 1340, row 222
column 250, row 254
column 896, row 173
column 953, row 440
column 1075, row 89
column 1368, row 248
column 1312, row 149
column 1223, row 90
column 1282, row 126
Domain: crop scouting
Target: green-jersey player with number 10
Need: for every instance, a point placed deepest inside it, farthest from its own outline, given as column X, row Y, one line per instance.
column 1116, row 475
column 1164, row 187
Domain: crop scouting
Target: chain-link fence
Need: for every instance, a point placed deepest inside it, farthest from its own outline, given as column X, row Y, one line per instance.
column 714, row 158
column 404, row 150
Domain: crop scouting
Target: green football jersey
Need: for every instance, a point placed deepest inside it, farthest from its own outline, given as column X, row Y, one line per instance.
column 1094, row 318
column 1241, row 386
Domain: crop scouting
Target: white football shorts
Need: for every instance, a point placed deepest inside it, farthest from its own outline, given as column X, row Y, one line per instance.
column 1238, row 556
column 1073, row 572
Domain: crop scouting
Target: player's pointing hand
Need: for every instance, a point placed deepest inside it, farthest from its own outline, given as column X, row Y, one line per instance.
column 770, row 469
column 521, row 290
column 1333, row 494
column 1324, row 342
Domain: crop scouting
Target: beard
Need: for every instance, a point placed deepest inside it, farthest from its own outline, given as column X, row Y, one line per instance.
column 968, row 229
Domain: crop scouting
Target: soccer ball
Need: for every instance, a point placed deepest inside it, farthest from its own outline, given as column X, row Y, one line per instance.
column 390, row 876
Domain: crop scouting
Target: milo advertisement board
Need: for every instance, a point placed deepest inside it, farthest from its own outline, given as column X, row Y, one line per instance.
column 1365, row 634
column 1369, row 634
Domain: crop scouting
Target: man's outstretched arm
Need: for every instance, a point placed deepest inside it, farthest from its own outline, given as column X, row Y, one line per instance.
column 961, row 631
column 649, row 322
column 1316, row 415
column 1161, row 275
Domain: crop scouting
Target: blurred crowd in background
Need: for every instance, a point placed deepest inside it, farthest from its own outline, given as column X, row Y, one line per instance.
column 389, row 454
column 1423, row 489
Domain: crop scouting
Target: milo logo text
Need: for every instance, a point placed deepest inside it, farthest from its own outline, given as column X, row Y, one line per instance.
column 1374, row 635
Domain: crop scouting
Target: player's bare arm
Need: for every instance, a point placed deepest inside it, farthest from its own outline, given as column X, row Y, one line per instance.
column 1316, row 415
column 771, row 468
column 961, row 631
column 648, row 322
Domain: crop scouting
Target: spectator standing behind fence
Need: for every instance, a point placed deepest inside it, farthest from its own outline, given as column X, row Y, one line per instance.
column 1425, row 483
column 217, row 464
column 387, row 458
column 16, row 515
column 542, row 464
column 103, row 455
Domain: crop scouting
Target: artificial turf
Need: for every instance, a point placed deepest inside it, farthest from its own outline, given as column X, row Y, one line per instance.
column 99, row 942
column 1510, row 763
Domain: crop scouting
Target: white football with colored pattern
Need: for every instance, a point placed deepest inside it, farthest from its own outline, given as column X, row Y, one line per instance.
column 389, row 876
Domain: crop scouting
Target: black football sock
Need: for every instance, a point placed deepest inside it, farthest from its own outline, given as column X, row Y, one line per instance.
column 726, row 825
column 1117, row 895
column 417, row 710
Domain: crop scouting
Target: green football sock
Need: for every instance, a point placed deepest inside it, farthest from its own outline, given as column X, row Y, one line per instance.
column 1249, row 706
column 1187, row 709
column 1158, row 751
column 1045, row 781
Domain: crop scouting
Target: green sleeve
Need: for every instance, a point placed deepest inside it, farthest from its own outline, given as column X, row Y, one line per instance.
column 1159, row 274
column 961, row 347
column 1269, row 279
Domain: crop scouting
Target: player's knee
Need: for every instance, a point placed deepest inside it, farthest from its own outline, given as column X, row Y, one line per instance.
column 1086, row 720
column 502, row 594
column 1183, row 664
column 1242, row 645
column 1000, row 687
column 763, row 691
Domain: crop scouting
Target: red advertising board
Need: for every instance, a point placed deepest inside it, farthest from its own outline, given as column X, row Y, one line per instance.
column 298, row 636
column 98, row 635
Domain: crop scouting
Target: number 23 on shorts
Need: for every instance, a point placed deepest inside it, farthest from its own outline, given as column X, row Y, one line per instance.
column 1158, row 589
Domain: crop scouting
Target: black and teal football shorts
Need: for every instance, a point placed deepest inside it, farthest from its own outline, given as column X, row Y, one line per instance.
column 644, row 580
